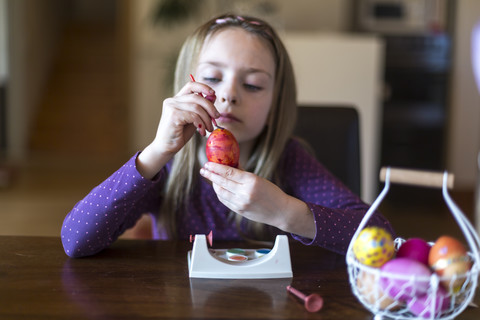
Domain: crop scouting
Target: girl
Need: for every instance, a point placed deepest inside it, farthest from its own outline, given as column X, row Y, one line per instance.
column 279, row 187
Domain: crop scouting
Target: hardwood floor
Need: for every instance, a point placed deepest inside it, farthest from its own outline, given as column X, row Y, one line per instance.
column 80, row 138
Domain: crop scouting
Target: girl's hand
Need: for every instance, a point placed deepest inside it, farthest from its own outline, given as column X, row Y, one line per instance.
column 258, row 199
column 182, row 115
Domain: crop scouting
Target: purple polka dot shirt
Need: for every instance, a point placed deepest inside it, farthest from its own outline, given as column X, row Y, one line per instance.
column 117, row 203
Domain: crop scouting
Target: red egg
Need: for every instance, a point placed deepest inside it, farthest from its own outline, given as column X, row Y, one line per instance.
column 416, row 249
column 223, row 148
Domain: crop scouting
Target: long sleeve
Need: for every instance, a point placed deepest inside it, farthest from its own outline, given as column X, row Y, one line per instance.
column 336, row 210
column 116, row 204
column 108, row 210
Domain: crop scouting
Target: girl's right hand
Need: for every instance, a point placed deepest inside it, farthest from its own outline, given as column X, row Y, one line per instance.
column 182, row 115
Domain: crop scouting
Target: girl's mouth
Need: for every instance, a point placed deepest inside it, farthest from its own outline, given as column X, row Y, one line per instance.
column 227, row 118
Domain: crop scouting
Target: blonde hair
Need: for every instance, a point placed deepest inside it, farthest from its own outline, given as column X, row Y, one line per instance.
column 271, row 141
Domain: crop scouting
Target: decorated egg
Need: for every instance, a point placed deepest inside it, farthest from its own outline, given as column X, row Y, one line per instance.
column 370, row 291
column 422, row 306
column 416, row 249
column 404, row 278
column 223, row 148
column 373, row 247
column 449, row 259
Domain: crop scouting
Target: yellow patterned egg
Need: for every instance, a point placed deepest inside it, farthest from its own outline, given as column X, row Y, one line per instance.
column 373, row 247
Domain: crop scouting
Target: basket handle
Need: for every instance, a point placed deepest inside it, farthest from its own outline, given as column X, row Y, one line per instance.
column 421, row 178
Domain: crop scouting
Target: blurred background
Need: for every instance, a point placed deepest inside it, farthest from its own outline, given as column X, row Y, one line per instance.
column 82, row 84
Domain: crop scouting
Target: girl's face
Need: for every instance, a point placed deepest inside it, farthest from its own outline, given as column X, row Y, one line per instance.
column 240, row 67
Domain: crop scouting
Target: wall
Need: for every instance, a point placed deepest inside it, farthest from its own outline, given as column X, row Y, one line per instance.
column 464, row 137
column 33, row 32
column 308, row 15
column 3, row 42
column 344, row 69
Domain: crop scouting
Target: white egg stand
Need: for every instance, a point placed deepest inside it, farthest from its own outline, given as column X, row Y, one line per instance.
column 206, row 263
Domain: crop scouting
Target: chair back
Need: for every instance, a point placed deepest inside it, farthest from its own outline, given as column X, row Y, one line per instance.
column 333, row 133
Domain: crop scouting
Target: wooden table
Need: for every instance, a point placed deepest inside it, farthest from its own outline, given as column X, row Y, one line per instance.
column 138, row 279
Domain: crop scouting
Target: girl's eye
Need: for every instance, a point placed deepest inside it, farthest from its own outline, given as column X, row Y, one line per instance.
column 251, row 87
column 211, row 79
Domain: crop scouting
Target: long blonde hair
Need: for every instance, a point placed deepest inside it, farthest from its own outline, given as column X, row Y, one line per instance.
column 271, row 142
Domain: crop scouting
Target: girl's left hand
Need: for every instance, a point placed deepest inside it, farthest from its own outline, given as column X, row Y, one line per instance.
column 258, row 199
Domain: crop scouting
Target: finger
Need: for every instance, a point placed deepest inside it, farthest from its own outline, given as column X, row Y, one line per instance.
column 225, row 171
column 196, row 87
column 224, row 195
column 210, row 96
column 224, row 178
column 201, row 106
column 201, row 132
column 208, row 93
column 191, row 110
column 232, row 200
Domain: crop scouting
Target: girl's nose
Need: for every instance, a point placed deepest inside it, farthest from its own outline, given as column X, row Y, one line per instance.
column 228, row 98
column 229, row 92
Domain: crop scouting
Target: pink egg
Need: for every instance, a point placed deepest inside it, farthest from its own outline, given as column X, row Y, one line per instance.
column 416, row 249
column 404, row 278
column 422, row 306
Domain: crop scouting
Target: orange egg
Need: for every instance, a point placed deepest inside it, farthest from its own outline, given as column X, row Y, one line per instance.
column 449, row 258
column 444, row 248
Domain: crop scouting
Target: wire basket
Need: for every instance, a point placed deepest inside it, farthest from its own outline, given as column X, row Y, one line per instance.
column 442, row 302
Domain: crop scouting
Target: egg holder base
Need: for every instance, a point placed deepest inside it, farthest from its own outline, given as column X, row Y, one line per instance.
column 365, row 280
column 205, row 263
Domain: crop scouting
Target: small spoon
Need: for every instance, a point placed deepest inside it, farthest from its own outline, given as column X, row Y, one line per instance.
column 313, row 302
